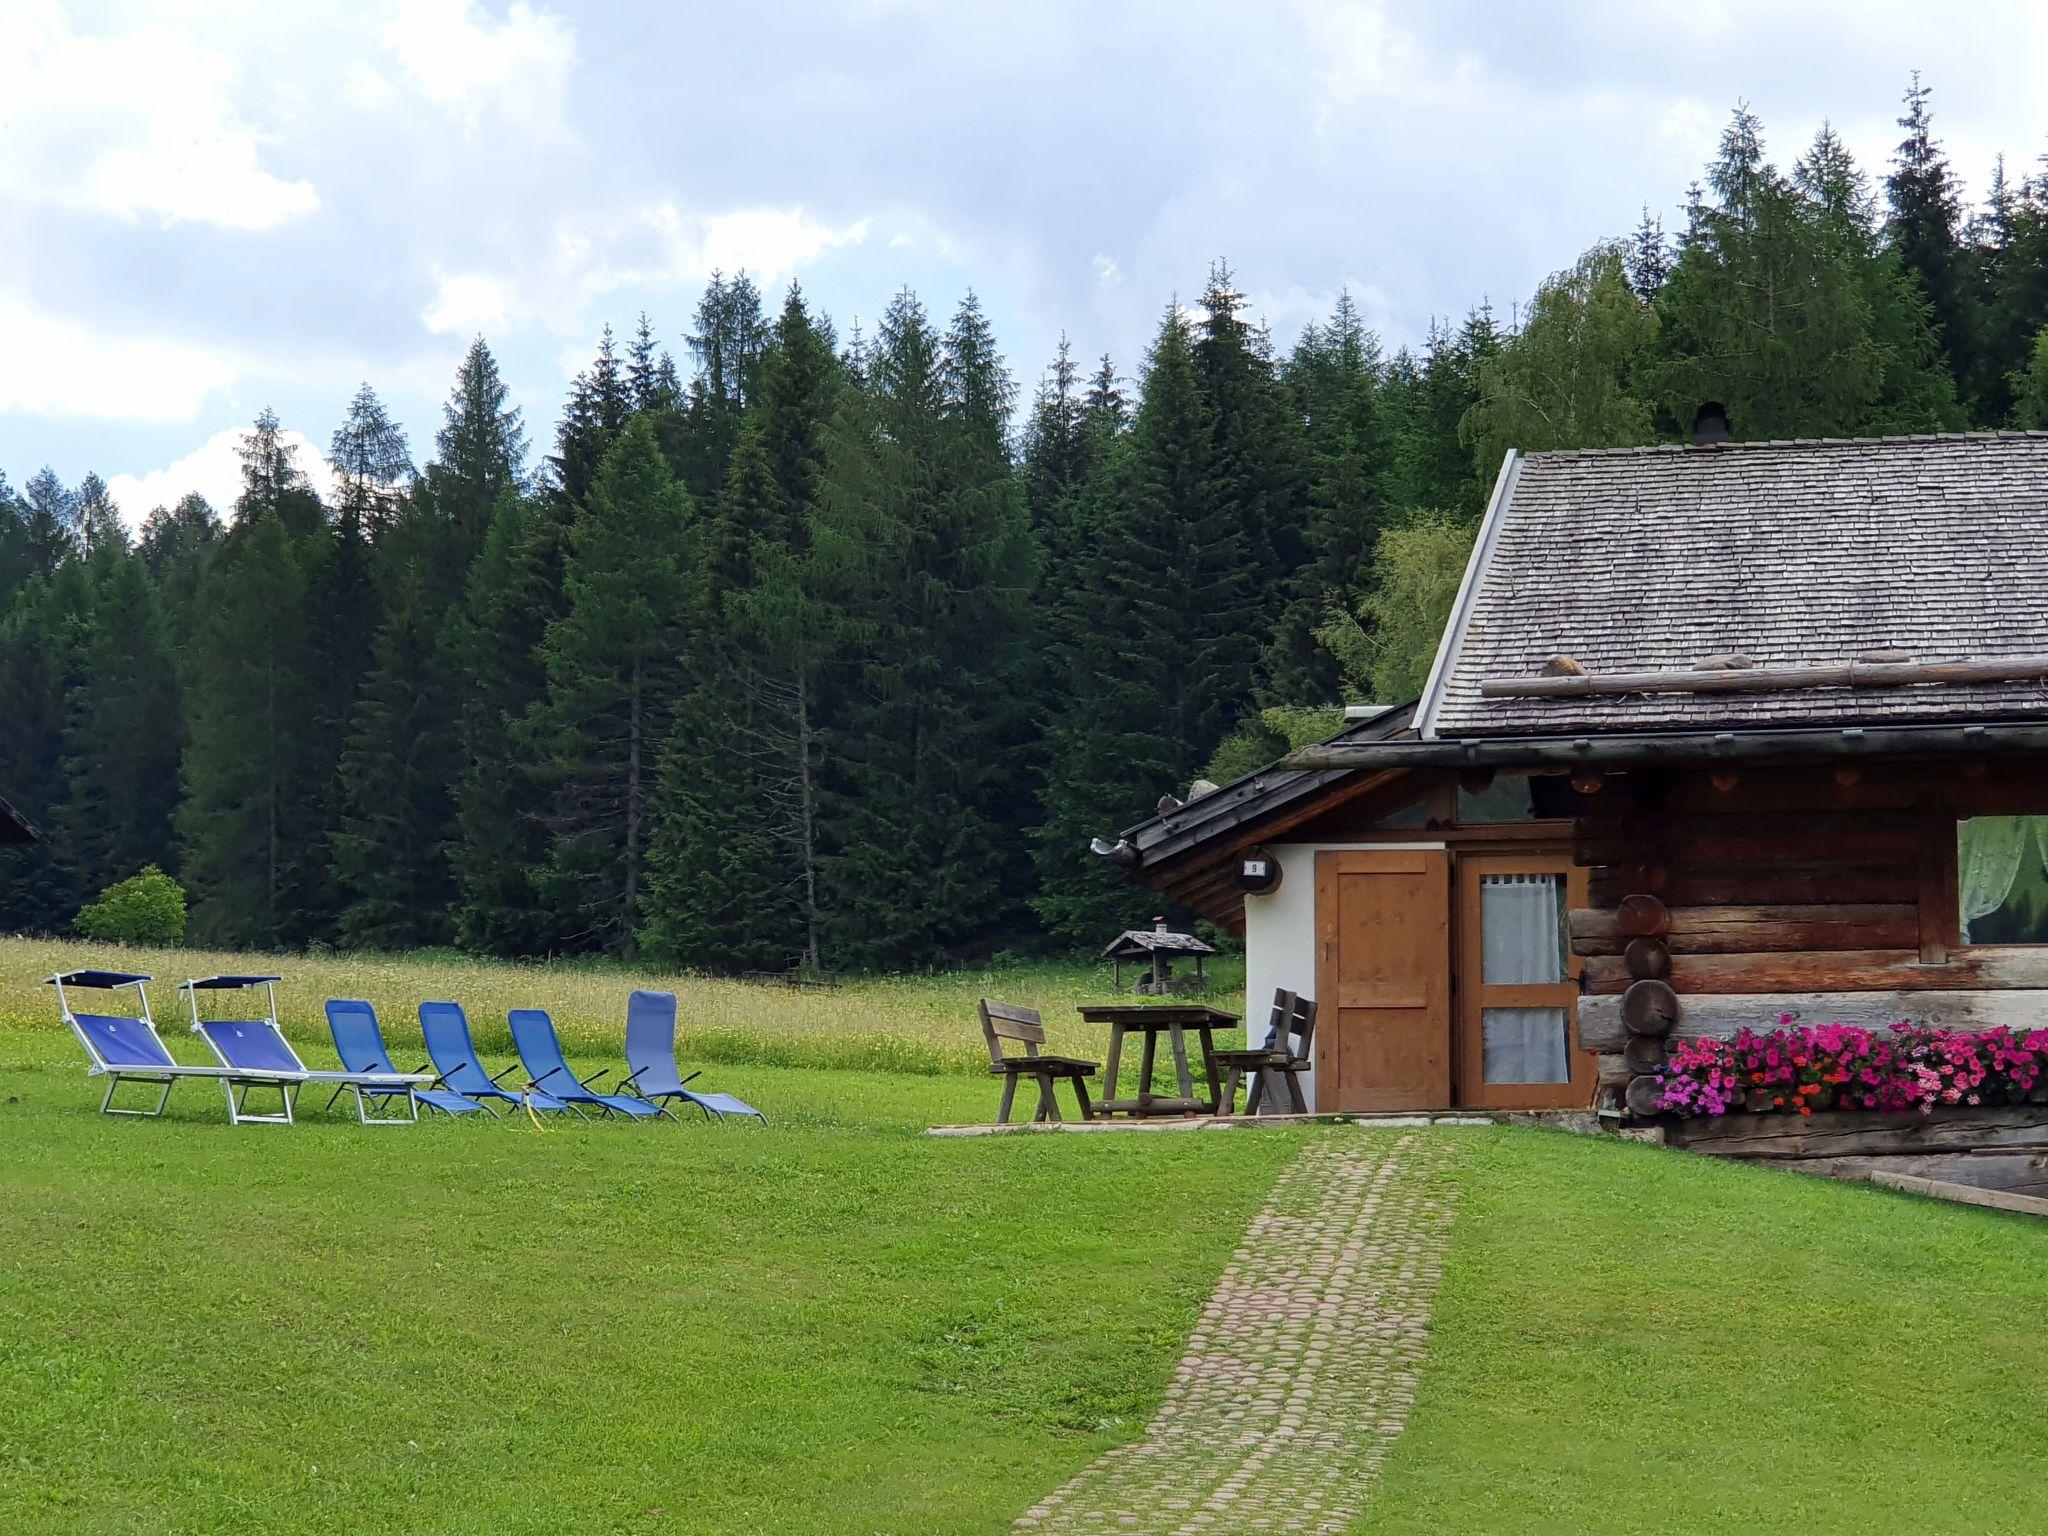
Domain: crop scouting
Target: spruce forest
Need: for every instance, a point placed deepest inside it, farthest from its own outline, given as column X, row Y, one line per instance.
column 826, row 650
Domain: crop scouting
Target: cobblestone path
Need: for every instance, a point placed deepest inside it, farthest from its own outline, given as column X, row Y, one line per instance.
column 1302, row 1368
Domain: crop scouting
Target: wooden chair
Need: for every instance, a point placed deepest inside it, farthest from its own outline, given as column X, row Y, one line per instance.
column 1276, row 1065
column 1000, row 1022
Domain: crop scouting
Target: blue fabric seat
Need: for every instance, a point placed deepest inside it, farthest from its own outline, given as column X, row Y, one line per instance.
column 124, row 1048
column 256, row 1051
column 651, row 1059
column 359, row 1042
column 446, row 1028
column 540, row 1050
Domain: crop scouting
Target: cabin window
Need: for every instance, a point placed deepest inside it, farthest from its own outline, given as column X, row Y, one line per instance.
column 2002, row 879
column 1522, row 944
column 1505, row 799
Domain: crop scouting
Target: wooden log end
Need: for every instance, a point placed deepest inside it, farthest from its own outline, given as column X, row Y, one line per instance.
column 1644, row 1096
column 1644, row 917
column 1649, row 1008
column 1644, row 1053
column 1647, row 959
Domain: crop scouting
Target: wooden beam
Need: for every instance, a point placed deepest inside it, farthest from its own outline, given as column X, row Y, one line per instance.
column 1739, row 930
column 1837, row 1133
column 1718, row 1017
column 1851, row 674
column 1681, row 748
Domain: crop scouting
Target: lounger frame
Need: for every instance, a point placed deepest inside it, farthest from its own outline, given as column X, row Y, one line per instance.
column 166, row 1077
column 241, row 1080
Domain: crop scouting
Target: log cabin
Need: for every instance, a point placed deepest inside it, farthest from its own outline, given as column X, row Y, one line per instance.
column 1716, row 733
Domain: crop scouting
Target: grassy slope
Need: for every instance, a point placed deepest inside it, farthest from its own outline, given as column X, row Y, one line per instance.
column 1635, row 1341
column 889, row 1023
column 830, row 1325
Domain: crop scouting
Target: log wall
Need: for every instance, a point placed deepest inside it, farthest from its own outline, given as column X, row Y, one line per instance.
column 1727, row 897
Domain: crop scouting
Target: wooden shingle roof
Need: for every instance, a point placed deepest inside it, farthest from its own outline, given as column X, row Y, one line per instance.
column 1795, row 554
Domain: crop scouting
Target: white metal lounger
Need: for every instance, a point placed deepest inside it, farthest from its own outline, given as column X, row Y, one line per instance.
column 121, row 1048
column 255, row 1054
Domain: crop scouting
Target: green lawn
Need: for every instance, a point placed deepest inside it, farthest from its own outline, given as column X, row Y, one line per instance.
column 834, row 1324
column 1636, row 1341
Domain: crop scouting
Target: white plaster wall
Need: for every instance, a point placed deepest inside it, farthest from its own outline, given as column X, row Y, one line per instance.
column 1280, row 934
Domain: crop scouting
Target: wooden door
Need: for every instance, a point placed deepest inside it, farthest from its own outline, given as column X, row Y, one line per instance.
column 1517, row 984
column 1383, row 980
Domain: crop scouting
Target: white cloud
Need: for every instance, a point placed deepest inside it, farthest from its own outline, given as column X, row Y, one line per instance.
column 61, row 367
column 1107, row 272
column 468, row 303
column 214, row 470
column 143, row 122
column 456, row 56
column 656, row 247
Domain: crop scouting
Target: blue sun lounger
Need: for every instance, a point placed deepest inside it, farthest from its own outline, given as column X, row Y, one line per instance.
column 651, row 1058
column 359, row 1042
column 120, row 1047
column 257, row 1054
column 446, row 1028
column 540, row 1050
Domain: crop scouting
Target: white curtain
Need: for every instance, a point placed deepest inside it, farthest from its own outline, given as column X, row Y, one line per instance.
column 1524, row 1045
column 1989, row 851
column 1521, row 942
column 1521, row 929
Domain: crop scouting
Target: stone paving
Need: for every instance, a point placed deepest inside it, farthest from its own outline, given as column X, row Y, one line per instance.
column 1303, row 1366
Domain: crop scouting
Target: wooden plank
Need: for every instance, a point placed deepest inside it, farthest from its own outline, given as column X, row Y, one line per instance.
column 1718, row 1017
column 1767, row 884
column 1845, row 970
column 1848, row 674
column 1838, row 1133
column 1758, row 929
column 1961, row 1194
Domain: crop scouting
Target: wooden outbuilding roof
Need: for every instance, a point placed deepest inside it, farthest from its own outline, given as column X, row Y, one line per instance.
column 1140, row 942
column 1797, row 562
column 14, row 827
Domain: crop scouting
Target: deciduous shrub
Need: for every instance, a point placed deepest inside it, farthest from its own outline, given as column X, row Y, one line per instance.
column 146, row 908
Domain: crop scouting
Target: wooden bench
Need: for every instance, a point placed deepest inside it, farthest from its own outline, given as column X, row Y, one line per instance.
column 1001, row 1022
column 1277, row 1065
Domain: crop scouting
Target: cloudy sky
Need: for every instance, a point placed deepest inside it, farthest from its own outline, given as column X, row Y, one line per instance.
column 207, row 206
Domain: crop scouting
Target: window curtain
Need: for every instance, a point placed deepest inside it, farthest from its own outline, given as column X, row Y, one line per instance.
column 1521, row 929
column 1521, row 940
column 1989, row 850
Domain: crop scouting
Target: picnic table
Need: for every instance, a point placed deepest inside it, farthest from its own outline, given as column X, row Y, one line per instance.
column 1152, row 1020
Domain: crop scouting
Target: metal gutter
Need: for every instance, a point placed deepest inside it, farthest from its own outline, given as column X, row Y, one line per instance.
column 1468, row 589
column 1988, row 739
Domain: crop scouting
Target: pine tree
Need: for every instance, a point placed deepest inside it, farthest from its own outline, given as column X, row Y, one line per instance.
column 480, row 451
column 1165, row 659
column 51, row 516
column 492, row 653
column 734, row 863
column 96, row 521
column 372, row 464
column 613, row 662
column 43, row 644
column 1926, row 225
column 121, row 732
column 17, row 558
column 390, row 843
column 1649, row 258
column 178, row 545
column 1333, row 382
column 254, row 769
column 922, row 543
column 1785, row 309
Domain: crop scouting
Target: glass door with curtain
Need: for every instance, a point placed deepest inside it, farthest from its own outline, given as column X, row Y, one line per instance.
column 1517, row 984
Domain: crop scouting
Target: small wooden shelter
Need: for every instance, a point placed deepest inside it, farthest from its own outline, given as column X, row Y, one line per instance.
column 1157, row 947
column 1715, row 734
column 15, row 827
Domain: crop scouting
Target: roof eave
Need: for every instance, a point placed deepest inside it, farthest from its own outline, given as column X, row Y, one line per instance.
column 1461, row 607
